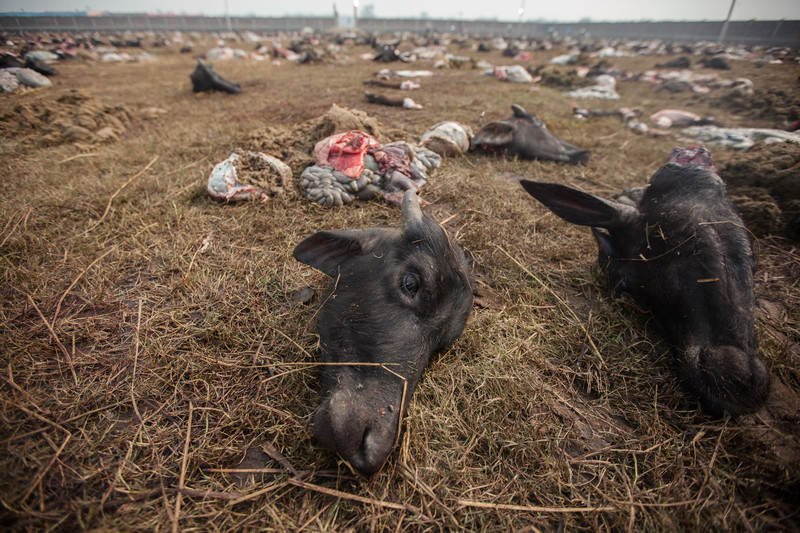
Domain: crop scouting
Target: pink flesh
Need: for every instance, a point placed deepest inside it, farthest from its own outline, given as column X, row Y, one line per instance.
column 696, row 156
column 345, row 151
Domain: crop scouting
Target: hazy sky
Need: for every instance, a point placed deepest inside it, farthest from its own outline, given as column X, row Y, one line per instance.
column 561, row 10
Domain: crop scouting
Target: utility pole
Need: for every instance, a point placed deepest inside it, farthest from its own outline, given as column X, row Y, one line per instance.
column 725, row 24
column 355, row 13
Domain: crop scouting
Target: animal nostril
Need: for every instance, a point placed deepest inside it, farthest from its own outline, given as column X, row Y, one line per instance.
column 365, row 440
column 370, row 450
column 374, row 446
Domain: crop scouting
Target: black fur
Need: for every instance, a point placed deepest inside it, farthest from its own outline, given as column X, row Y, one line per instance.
column 398, row 297
column 526, row 136
column 684, row 253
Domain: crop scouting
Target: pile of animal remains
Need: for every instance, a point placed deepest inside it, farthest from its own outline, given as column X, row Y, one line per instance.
column 353, row 164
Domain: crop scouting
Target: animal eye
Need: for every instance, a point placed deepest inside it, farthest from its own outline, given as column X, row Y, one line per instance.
column 410, row 284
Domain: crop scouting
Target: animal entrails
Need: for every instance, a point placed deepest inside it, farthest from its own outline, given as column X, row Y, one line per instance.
column 399, row 296
column 683, row 252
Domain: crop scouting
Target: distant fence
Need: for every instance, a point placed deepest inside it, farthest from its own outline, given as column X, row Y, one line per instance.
column 766, row 32
column 141, row 22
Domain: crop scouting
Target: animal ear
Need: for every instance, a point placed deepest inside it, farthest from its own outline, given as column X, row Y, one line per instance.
column 326, row 250
column 579, row 207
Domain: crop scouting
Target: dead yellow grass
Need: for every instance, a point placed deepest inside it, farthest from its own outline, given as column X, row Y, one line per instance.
column 149, row 343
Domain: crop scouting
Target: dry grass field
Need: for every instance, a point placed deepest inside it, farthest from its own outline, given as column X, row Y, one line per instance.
column 156, row 373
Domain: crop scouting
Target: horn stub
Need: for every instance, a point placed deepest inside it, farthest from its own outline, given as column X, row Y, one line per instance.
column 412, row 213
column 519, row 111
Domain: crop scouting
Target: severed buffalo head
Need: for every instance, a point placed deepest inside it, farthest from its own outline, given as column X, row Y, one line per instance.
column 398, row 297
column 683, row 252
column 526, row 136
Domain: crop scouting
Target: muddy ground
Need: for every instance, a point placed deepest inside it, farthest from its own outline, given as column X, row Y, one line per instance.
column 158, row 346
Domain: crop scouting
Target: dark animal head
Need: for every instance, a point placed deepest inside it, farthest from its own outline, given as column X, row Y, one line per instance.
column 526, row 136
column 399, row 296
column 684, row 253
column 205, row 78
column 386, row 53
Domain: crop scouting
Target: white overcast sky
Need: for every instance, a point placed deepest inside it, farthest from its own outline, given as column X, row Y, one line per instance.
column 552, row 10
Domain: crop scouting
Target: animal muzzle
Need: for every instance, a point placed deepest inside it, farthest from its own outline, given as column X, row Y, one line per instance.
column 360, row 425
column 727, row 379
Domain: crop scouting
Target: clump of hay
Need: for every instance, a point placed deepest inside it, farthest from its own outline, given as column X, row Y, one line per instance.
column 778, row 105
column 75, row 117
column 759, row 210
column 764, row 184
column 561, row 78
